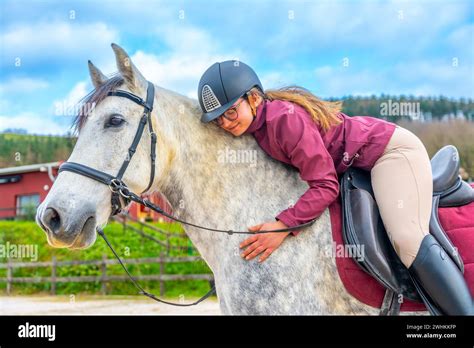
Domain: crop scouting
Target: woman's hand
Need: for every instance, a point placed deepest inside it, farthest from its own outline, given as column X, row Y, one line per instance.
column 265, row 243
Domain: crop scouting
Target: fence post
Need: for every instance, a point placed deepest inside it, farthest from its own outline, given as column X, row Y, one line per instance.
column 162, row 271
column 53, row 275
column 9, row 277
column 104, row 274
column 189, row 247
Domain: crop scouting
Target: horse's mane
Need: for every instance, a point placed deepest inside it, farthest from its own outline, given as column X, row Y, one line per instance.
column 93, row 99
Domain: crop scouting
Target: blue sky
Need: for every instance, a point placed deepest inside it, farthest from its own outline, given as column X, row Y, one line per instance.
column 333, row 48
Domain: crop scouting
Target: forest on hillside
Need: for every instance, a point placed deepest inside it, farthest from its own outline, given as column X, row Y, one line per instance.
column 23, row 149
column 430, row 108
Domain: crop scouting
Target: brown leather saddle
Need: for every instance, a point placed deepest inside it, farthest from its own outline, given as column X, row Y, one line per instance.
column 362, row 226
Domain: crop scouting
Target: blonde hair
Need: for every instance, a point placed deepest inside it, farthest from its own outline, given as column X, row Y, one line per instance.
column 322, row 112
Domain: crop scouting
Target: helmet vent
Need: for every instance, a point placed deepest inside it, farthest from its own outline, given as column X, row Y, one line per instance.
column 209, row 99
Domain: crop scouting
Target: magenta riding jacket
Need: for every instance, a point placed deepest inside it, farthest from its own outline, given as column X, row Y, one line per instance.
column 286, row 132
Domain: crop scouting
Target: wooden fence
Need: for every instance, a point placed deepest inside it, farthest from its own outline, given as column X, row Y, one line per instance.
column 103, row 278
column 125, row 220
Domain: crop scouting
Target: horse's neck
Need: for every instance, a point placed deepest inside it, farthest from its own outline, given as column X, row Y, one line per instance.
column 193, row 183
column 207, row 187
column 194, row 161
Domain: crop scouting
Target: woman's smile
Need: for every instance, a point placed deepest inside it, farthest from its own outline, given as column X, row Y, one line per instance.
column 232, row 128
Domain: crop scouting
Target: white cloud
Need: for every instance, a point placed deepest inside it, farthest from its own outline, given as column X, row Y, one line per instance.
column 338, row 81
column 178, row 73
column 187, row 39
column 433, row 77
column 440, row 74
column 404, row 27
column 274, row 79
column 4, row 104
column 33, row 123
column 49, row 121
column 22, row 84
column 190, row 52
column 68, row 106
column 461, row 38
column 56, row 40
column 78, row 92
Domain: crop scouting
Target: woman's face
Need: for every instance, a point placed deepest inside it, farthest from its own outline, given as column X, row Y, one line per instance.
column 244, row 118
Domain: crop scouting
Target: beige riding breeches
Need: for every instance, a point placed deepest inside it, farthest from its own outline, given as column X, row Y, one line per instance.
column 403, row 188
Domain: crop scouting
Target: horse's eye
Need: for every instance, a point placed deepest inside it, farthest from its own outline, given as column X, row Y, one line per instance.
column 115, row 121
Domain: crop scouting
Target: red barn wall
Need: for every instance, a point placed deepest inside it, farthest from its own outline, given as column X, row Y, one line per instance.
column 30, row 183
column 35, row 183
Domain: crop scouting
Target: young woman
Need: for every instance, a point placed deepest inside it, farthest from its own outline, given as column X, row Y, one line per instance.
column 295, row 127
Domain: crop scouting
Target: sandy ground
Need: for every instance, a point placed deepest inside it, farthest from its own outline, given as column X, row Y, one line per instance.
column 98, row 305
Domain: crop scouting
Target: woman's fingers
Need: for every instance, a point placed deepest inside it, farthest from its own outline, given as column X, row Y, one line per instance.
column 255, row 252
column 248, row 241
column 262, row 244
column 265, row 255
column 250, row 248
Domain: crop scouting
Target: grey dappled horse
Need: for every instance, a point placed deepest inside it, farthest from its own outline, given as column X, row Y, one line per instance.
column 210, row 178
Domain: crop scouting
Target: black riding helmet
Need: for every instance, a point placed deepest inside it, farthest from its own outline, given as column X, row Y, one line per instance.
column 222, row 84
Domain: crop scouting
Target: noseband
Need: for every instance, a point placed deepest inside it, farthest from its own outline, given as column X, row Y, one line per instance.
column 121, row 194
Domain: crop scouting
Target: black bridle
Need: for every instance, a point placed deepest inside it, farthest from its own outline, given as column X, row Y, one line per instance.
column 121, row 192
column 115, row 183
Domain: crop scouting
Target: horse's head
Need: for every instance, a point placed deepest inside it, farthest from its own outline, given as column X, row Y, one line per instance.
column 76, row 204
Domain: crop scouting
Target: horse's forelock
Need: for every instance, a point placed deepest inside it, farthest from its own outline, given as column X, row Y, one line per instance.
column 93, row 99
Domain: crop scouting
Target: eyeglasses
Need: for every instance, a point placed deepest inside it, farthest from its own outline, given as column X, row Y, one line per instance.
column 231, row 114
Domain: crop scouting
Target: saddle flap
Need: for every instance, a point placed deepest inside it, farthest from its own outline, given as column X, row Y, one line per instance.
column 363, row 228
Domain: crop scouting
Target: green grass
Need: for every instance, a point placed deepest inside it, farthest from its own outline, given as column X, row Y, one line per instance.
column 128, row 244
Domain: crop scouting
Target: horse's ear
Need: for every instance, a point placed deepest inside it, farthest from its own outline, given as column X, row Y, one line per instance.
column 132, row 76
column 97, row 77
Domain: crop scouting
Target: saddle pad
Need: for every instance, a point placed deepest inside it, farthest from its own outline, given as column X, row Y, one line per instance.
column 456, row 221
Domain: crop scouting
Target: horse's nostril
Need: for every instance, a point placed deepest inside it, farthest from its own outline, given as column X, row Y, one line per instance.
column 52, row 220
